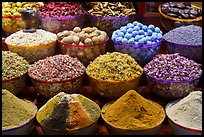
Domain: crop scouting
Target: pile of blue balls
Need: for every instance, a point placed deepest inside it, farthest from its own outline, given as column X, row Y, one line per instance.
column 137, row 33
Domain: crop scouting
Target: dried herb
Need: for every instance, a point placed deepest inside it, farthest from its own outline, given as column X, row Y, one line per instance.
column 173, row 67
column 13, row 65
column 112, row 9
column 114, row 66
column 133, row 112
column 56, row 68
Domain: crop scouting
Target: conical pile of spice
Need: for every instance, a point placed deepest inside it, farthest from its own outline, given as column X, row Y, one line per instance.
column 188, row 111
column 133, row 112
column 15, row 111
column 68, row 112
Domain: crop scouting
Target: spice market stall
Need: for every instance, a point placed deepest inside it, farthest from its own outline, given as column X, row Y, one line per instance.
column 101, row 68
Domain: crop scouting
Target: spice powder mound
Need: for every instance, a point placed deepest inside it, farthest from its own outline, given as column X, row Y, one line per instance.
column 68, row 112
column 15, row 111
column 133, row 112
column 188, row 111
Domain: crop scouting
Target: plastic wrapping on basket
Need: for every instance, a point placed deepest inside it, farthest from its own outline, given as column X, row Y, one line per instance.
column 141, row 53
column 172, row 89
column 113, row 89
column 12, row 24
column 85, row 53
column 50, row 89
column 56, row 25
column 15, row 85
column 193, row 52
column 34, row 53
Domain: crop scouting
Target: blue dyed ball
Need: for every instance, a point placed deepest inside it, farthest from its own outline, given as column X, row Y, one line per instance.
column 124, row 40
column 136, row 28
column 130, row 30
column 139, row 25
column 141, row 41
column 141, row 36
column 113, row 37
column 130, row 25
column 141, row 32
column 137, row 37
column 117, row 31
column 152, row 27
column 121, row 34
column 157, row 30
column 149, row 32
column 134, row 33
column 144, row 27
column 154, row 37
column 128, row 35
column 160, row 37
column 131, row 41
column 161, row 32
column 123, row 27
column 119, row 39
column 144, row 40
column 135, row 23
column 147, row 38
column 123, row 30
column 136, row 43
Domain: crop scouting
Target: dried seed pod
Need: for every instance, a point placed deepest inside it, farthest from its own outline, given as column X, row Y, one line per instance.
column 77, row 29
column 66, row 33
column 76, row 40
column 82, row 37
column 87, row 29
column 73, row 33
column 94, row 28
column 95, row 40
column 93, row 34
column 68, row 40
column 98, row 31
column 87, row 41
column 101, row 38
column 81, row 43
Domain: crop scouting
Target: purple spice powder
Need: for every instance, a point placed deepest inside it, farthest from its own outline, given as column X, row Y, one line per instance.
column 185, row 35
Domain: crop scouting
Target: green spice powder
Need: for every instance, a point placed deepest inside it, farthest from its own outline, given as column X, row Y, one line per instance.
column 15, row 111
